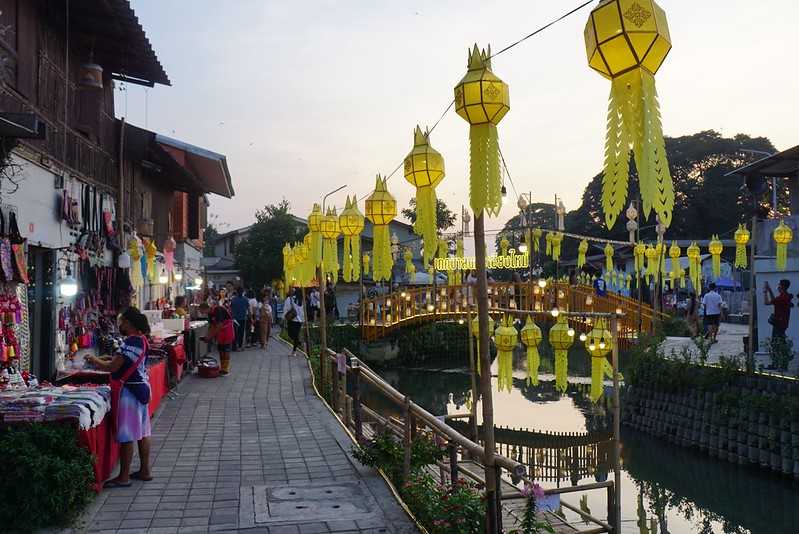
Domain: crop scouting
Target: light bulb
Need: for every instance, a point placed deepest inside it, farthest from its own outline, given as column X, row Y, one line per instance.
column 407, row 298
column 198, row 281
column 430, row 307
column 542, row 283
column 163, row 278
column 592, row 347
column 561, row 294
column 583, row 337
column 388, row 302
column 460, row 321
column 602, row 345
column 555, row 311
column 178, row 276
column 402, row 294
column 570, row 332
column 523, row 248
column 619, row 311
column 68, row 285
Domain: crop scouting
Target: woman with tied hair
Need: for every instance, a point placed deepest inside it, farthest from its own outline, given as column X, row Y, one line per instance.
column 130, row 394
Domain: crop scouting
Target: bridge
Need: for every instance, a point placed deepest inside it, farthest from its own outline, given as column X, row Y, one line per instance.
column 384, row 314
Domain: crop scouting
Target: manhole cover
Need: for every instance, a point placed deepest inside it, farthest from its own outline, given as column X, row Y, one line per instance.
column 308, row 502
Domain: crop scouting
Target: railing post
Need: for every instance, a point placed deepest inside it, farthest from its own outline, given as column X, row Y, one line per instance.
column 356, row 399
column 498, row 496
column 612, row 507
column 453, row 463
column 343, row 393
column 407, row 443
column 335, row 376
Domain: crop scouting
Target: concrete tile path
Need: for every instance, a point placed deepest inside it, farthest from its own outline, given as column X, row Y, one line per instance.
column 260, row 426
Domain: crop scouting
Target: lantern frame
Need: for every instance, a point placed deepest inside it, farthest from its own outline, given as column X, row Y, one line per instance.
column 424, row 165
column 380, row 207
column 329, row 225
column 481, row 97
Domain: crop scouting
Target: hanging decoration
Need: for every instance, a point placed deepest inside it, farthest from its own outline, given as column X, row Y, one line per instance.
column 330, row 231
column 628, row 281
column 505, row 337
column 599, row 344
column 482, row 99
column 609, row 257
column 695, row 266
column 548, row 239
column 627, row 43
column 365, row 260
column 424, row 169
column 315, row 228
column 351, row 224
column 651, row 263
column 381, row 208
column 150, row 251
column 476, row 335
column 557, row 239
column 640, row 254
column 504, row 244
column 459, row 253
column 537, row 233
column 561, row 342
column 742, row 236
column 715, row 247
column 169, row 254
column 676, row 268
column 531, row 337
column 582, row 249
column 783, row 235
column 134, row 250
column 410, row 268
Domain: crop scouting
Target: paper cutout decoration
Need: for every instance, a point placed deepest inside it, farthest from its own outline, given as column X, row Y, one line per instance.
column 742, row 236
column 365, row 263
column 695, row 266
column 609, row 257
column 531, row 337
column 715, row 247
column 330, row 231
column 315, row 228
column 381, row 208
column 582, row 249
column 783, row 235
column 476, row 335
column 627, row 41
column 676, row 268
column 598, row 344
column 482, row 99
column 424, row 169
column 351, row 223
column 505, row 337
column 556, row 240
column 150, row 251
column 169, row 254
column 561, row 342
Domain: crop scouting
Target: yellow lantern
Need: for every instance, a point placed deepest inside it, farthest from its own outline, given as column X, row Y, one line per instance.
column 695, row 266
column 626, row 41
column 609, row 257
column 556, row 240
column 582, row 249
column 715, row 247
column 783, row 235
column 674, row 254
column 531, row 337
column 506, row 339
column 410, row 268
column 150, row 251
column 315, row 228
column 424, row 169
column 504, row 244
column 381, row 208
column 639, row 252
column 476, row 334
column 330, row 231
column 628, row 281
column 651, row 262
column 365, row 260
column 134, row 250
column 598, row 344
column 561, row 342
column 742, row 236
column 537, row 233
column 351, row 223
column 482, row 99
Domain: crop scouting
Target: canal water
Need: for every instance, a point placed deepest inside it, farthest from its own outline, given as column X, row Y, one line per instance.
column 665, row 489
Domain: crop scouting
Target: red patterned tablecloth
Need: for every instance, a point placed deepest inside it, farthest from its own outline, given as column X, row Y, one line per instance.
column 103, row 448
column 158, row 385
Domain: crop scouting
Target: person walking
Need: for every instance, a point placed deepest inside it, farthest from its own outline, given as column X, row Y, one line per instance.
column 252, row 318
column 220, row 332
column 265, row 320
column 712, row 304
column 130, row 394
column 692, row 313
column 313, row 305
column 240, row 308
column 294, row 316
column 783, row 302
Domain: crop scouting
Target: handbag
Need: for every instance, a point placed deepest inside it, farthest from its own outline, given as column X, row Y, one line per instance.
column 18, row 250
column 291, row 313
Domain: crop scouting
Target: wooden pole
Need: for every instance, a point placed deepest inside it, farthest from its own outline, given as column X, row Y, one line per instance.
column 322, row 327
column 614, row 328
column 356, row 399
column 485, row 375
column 472, row 370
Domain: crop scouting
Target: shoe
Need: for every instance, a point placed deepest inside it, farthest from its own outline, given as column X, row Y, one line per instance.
column 224, row 373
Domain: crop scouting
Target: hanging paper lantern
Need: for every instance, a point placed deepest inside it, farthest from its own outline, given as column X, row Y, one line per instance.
column 674, row 254
column 561, row 342
column 783, row 235
column 381, row 208
column 651, row 262
column 582, row 249
column 365, row 260
column 505, row 337
column 330, row 231
column 640, row 254
column 627, row 42
column 715, row 247
column 150, row 251
column 503, row 246
column 599, row 344
column 531, row 337
column 537, row 233
column 556, row 240
column 459, row 253
column 609, row 257
column 410, row 268
column 315, row 228
column 628, row 281
column 136, row 276
column 424, row 169
column 742, row 236
column 476, row 335
column 169, row 254
column 482, row 99
column 351, row 223
column 695, row 266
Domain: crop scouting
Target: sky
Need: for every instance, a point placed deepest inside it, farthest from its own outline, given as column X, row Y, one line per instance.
column 305, row 96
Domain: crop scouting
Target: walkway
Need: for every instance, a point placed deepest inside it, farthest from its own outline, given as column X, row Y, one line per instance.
column 253, row 452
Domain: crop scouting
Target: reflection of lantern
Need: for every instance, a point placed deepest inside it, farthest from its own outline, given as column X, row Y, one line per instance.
column 381, row 208
column 783, row 235
column 476, row 334
column 715, row 247
column 315, row 227
column 627, row 41
column 561, row 341
column 351, row 224
column 505, row 337
column 482, row 99
column 330, row 231
column 424, row 168
column 674, row 254
column 695, row 266
column 608, row 257
column 531, row 337
column 599, row 344
column 742, row 236
column 582, row 249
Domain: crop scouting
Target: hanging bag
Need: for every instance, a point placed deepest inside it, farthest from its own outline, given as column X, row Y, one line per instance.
column 18, row 246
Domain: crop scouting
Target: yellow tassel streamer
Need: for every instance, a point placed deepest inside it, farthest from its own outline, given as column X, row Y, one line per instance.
column 742, row 236
column 695, row 266
column 531, row 337
column 381, row 250
column 365, row 263
column 537, row 233
column 582, row 249
column 503, row 246
column 783, row 235
column 598, row 344
column 557, row 239
column 351, row 224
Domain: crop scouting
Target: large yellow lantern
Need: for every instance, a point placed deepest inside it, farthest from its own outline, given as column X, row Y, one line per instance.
column 582, row 249
column 639, row 251
column 476, row 334
column 482, row 99
column 531, row 337
column 599, row 343
column 351, row 224
column 381, row 208
column 609, row 257
column 556, row 240
column 783, row 235
column 330, row 232
column 506, row 339
column 742, row 236
column 676, row 268
column 695, row 266
column 315, row 228
column 715, row 247
column 561, row 341
column 424, row 169
column 627, row 41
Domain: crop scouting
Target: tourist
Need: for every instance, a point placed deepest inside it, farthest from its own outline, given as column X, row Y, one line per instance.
column 331, row 306
column 313, row 304
column 240, row 308
column 692, row 314
column 782, row 303
column 294, row 316
column 252, row 318
column 712, row 304
column 265, row 319
column 130, row 394
column 220, row 332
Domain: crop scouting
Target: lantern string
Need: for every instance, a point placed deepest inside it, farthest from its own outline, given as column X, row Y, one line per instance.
column 507, row 172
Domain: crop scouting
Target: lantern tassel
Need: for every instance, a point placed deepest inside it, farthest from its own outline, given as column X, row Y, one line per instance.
column 597, row 369
column 617, row 162
column 316, row 248
column 347, row 270
column 485, row 184
column 740, row 256
column 717, row 265
column 561, row 369
column 330, row 257
column 582, row 249
column 425, row 224
column 533, row 363
column 381, row 260
column 661, row 186
column 505, row 373
column 782, row 257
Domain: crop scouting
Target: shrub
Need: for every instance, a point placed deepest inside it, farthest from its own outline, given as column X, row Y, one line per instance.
column 674, row 327
column 47, row 478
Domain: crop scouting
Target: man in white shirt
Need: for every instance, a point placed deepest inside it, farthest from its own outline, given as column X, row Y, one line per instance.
column 712, row 304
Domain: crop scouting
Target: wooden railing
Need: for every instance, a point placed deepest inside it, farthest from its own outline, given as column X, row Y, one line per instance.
column 347, row 379
column 386, row 313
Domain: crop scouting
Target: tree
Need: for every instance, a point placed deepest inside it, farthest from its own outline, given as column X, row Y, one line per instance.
column 259, row 257
column 537, row 214
column 445, row 218
column 209, row 237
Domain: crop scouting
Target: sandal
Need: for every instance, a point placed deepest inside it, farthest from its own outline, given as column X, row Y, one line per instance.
column 137, row 476
column 115, row 484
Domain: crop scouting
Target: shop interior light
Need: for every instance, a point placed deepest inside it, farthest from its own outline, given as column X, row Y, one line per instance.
column 198, row 281
column 555, row 311
column 542, row 283
column 592, row 347
column 178, row 276
column 68, row 286
column 163, row 278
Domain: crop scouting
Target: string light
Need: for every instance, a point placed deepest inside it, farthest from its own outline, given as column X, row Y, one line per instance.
column 555, row 311
column 570, row 332
column 583, row 337
column 542, row 283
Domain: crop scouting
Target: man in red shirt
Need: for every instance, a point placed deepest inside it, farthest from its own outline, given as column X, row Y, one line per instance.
column 782, row 303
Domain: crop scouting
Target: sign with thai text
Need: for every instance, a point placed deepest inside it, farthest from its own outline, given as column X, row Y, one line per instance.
column 511, row 261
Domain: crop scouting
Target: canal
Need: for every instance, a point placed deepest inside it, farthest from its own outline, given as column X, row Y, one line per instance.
column 665, row 489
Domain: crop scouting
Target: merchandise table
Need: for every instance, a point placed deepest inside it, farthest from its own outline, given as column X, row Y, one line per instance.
column 156, row 374
column 104, row 450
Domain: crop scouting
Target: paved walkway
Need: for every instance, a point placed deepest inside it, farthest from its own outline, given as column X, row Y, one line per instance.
column 253, row 452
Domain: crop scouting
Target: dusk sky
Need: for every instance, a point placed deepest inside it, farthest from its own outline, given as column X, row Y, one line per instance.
column 305, row 96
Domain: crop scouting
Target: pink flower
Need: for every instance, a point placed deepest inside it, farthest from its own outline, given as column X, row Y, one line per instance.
column 533, row 490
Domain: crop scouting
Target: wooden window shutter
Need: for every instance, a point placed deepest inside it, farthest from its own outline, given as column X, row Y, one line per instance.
column 27, row 49
column 194, row 216
column 180, row 216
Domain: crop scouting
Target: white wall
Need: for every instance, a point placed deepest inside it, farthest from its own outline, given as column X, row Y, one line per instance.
column 767, row 272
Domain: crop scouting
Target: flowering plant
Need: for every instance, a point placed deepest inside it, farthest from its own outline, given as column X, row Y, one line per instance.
column 531, row 523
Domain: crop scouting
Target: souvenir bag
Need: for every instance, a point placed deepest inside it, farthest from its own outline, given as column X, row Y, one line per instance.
column 18, row 245
column 6, row 264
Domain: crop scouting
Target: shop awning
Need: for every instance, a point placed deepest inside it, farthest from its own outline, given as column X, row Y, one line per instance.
column 209, row 167
column 783, row 164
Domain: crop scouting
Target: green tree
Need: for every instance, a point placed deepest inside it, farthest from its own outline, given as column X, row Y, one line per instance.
column 537, row 215
column 259, row 257
column 209, row 237
column 445, row 218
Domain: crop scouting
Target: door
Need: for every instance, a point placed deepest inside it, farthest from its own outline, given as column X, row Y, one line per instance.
column 41, row 311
